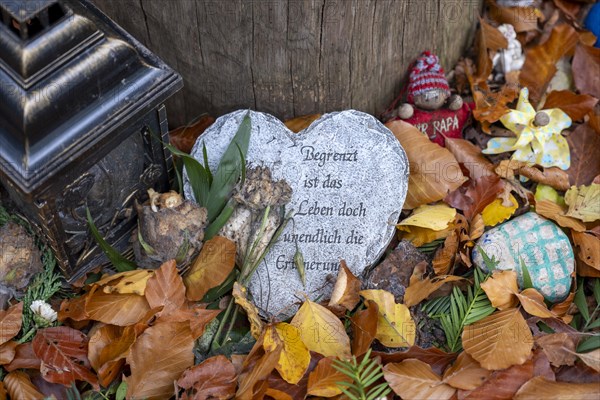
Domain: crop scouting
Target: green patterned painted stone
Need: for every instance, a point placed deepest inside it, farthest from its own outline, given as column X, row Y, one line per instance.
column 543, row 246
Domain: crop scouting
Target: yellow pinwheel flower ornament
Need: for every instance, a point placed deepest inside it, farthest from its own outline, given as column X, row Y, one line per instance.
column 538, row 138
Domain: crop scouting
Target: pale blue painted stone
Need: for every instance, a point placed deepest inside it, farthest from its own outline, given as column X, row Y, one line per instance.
column 543, row 246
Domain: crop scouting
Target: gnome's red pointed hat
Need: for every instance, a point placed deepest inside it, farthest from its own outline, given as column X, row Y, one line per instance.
column 426, row 74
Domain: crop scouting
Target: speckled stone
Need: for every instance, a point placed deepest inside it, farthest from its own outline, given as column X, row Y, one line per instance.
column 543, row 246
column 349, row 177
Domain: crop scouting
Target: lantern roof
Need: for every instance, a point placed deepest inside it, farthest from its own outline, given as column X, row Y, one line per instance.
column 70, row 80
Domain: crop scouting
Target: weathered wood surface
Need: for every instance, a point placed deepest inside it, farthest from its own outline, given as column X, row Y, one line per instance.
column 293, row 57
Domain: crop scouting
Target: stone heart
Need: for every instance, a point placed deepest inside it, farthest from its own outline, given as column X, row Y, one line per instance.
column 349, row 177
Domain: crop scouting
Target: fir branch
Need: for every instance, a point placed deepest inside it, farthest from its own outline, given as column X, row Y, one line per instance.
column 459, row 310
column 363, row 375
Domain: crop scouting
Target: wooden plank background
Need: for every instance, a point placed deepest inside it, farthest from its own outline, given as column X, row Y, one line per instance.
column 293, row 57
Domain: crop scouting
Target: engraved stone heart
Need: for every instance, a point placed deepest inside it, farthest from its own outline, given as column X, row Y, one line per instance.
column 349, row 177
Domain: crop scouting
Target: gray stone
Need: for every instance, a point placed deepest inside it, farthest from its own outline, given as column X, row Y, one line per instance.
column 349, row 177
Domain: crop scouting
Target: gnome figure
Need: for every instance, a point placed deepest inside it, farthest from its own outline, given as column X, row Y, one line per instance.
column 430, row 106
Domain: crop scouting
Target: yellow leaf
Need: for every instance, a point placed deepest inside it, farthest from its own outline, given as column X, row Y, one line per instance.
column 495, row 212
column 395, row 326
column 584, row 202
column 321, row 331
column 499, row 340
column 501, row 289
column 127, row 282
column 466, row 373
column 240, row 295
column 420, row 236
column 414, row 379
column 212, row 266
column 435, row 217
column 294, row 357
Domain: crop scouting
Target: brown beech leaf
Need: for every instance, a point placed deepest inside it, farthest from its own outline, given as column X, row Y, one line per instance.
column 213, row 378
column 212, row 266
column 196, row 315
column 579, row 373
column 488, row 38
column 501, row 288
column 323, row 380
column 540, row 60
column 558, row 347
column 502, row 384
column 115, row 309
column 10, row 322
column 470, row 156
column 499, row 340
column 556, row 212
column 522, row 18
column 436, row 358
column 19, row 386
column 575, row 105
column 24, row 358
column 434, row 172
column 465, row 373
column 185, row 137
column 586, row 64
column 533, row 302
column 345, row 291
column 107, row 349
column 490, row 106
column 74, row 309
column 257, row 367
column 299, row 123
column 591, row 359
column 364, row 328
column 541, row 365
column 584, row 144
column 8, row 351
column 541, row 388
column 420, row 288
column 63, row 352
column 476, row 195
column 555, row 177
column 413, row 379
column 158, row 358
column 3, row 392
column 166, row 288
column 444, row 257
column 588, row 248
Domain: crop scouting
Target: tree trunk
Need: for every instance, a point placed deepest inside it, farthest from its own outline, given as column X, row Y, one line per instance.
column 293, row 57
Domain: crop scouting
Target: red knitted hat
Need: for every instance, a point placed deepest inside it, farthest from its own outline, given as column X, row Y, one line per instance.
column 426, row 74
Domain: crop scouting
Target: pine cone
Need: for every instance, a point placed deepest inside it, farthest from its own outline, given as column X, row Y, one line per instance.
column 175, row 223
column 260, row 190
column 20, row 257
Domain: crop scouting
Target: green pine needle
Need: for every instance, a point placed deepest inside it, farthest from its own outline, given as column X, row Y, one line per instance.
column 363, row 376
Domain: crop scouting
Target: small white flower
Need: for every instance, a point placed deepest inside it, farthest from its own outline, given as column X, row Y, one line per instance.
column 43, row 310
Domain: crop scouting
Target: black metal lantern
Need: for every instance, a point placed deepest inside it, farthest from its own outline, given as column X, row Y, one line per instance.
column 81, row 124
